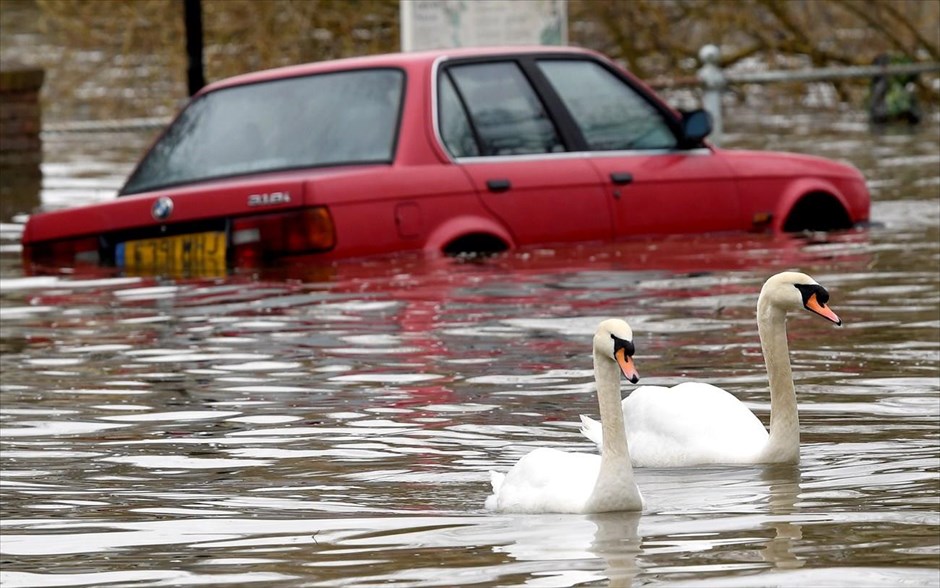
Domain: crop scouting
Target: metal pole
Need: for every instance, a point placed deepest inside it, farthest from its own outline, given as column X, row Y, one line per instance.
column 192, row 10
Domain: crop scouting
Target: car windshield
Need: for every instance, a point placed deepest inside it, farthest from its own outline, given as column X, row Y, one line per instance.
column 326, row 119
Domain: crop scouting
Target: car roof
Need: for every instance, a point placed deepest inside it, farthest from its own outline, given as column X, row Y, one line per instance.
column 417, row 58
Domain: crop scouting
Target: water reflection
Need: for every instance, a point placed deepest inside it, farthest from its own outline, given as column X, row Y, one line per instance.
column 307, row 435
column 336, row 427
column 784, row 487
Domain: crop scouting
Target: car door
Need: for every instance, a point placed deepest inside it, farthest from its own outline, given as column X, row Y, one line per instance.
column 656, row 185
column 497, row 129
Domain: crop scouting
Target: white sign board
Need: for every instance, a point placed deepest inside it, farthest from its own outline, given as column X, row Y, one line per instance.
column 436, row 24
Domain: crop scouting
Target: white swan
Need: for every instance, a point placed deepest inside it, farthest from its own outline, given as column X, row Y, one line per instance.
column 695, row 423
column 549, row 480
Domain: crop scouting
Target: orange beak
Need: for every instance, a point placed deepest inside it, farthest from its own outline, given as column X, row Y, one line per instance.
column 822, row 310
column 626, row 366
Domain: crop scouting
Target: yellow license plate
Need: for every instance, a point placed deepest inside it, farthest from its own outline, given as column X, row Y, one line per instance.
column 200, row 254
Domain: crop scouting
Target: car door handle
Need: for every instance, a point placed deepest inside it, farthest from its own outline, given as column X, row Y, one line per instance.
column 621, row 178
column 500, row 185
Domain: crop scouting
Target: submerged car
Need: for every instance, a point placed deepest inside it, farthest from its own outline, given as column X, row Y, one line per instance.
column 451, row 151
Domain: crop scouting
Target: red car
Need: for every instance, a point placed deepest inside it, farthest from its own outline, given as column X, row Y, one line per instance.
column 468, row 150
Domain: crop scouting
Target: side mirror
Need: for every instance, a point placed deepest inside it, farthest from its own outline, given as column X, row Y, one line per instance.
column 696, row 125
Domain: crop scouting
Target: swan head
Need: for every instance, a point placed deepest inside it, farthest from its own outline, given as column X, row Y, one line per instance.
column 797, row 291
column 614, row 341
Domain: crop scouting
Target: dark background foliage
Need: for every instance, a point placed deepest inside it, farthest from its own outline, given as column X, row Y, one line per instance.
column 126, row 58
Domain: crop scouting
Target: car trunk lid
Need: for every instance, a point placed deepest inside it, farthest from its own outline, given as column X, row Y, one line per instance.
column 202, row 228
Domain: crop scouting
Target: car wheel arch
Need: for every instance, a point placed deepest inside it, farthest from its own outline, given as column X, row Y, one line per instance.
column 468, row 235
column 816, row 206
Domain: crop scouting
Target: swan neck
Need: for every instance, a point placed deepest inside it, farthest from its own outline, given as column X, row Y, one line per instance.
column 784, row 441
column 607, row 378
column 615, row 488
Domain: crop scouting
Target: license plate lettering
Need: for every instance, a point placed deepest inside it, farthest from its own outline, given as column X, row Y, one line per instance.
column 201, row 254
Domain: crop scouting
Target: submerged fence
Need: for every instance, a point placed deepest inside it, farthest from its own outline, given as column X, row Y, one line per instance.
column 714, row 80
column 107, row 126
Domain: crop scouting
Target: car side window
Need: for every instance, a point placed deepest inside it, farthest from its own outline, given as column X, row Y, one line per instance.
column 454, row 123
column 611, row 115
column 503, row 108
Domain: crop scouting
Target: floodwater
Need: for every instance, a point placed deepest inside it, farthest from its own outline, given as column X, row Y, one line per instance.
column 336, row 426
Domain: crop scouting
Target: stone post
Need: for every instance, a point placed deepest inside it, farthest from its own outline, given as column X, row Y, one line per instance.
column 20, row 143
column 713, row 85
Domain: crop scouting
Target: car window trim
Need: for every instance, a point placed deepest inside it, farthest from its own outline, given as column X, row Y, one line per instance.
column 622, row 153
column 568, row 130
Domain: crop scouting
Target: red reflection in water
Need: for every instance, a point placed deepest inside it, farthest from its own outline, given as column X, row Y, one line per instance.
column 523, row 282
column 681, row 254
column 410, row 272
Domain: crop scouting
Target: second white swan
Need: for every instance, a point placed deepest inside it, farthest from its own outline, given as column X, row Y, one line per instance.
column 548, row 480
column 695, row 423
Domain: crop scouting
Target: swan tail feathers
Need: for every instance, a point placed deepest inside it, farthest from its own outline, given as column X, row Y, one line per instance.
column 496, row 480
column 592, row 430
column 492, row 501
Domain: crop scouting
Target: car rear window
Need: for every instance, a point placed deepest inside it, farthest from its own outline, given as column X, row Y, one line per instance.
column 326, row 119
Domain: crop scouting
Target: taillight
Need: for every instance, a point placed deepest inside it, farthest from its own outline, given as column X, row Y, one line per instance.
column 305, row 231
column 65, row 252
